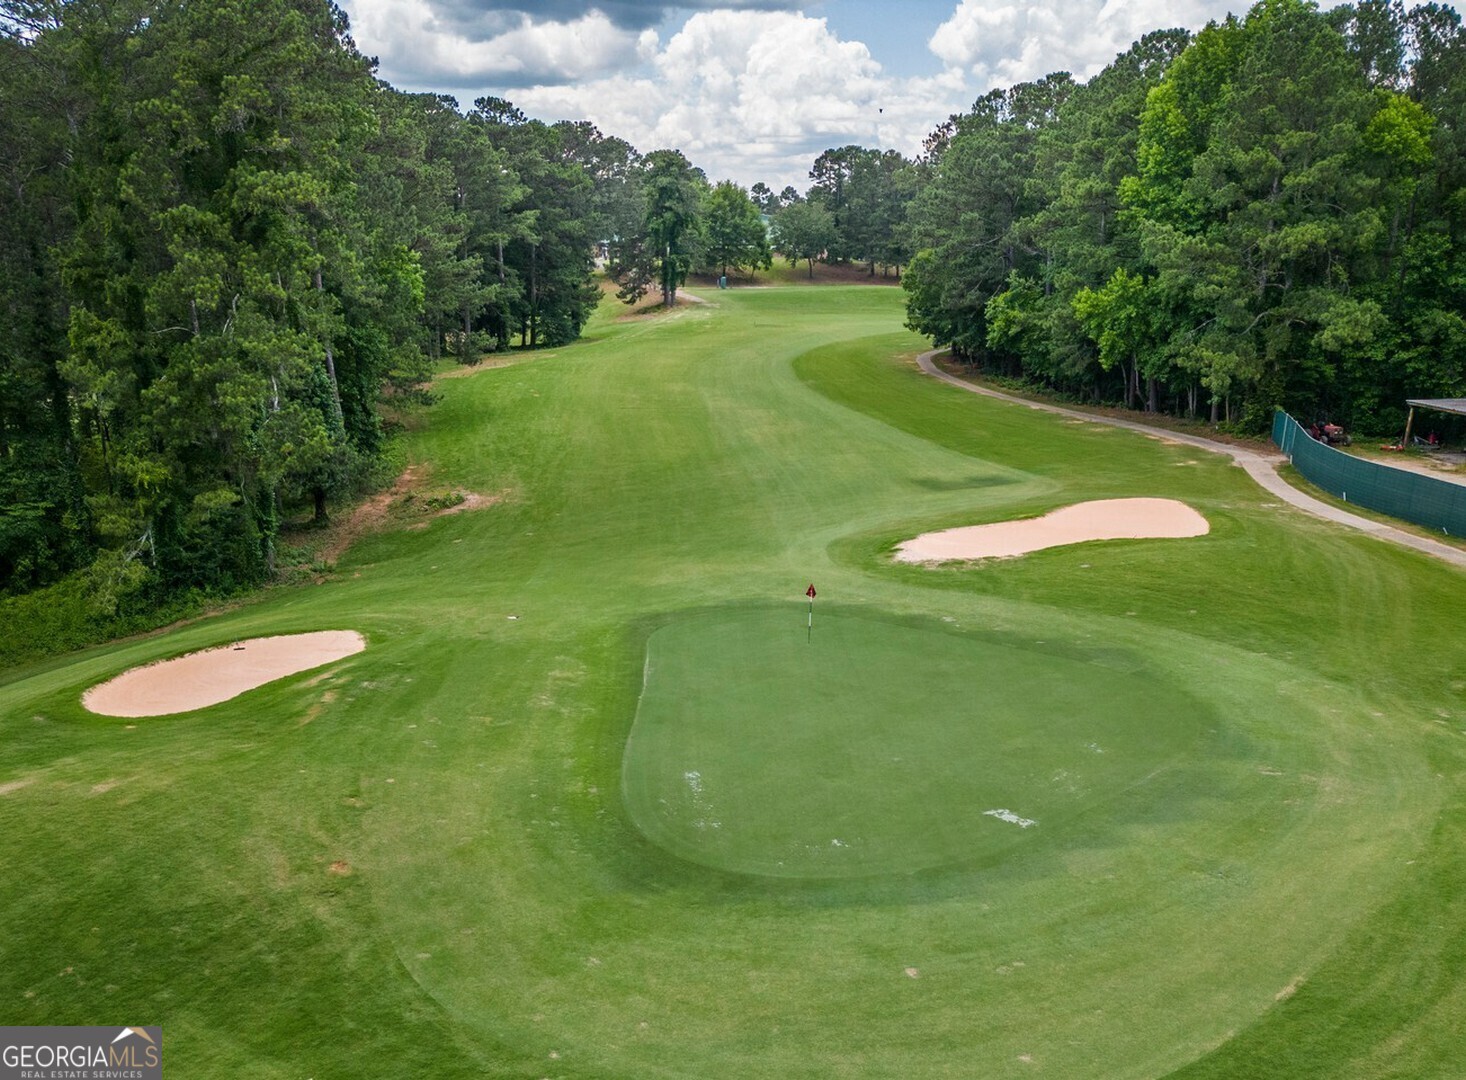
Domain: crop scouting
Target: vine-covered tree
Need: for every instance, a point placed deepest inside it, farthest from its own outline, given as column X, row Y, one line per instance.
column 230, row 298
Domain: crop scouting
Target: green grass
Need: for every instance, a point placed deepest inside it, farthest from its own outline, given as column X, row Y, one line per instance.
column 1260, row 875
column 885, row 747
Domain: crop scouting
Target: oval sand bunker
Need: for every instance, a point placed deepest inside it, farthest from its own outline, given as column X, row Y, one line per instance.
column 1104, row 519
column 200, row 679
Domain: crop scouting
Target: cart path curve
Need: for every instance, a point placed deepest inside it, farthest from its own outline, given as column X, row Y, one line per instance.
column 1263, row 468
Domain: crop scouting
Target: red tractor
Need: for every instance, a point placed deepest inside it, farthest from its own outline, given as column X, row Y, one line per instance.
column 1332, row 434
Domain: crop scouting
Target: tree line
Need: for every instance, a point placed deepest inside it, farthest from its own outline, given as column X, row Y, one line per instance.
column 854, row 211
column 224, row 242
column 1269, row 212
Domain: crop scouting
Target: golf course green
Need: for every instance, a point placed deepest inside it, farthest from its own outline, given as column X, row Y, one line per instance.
column 889, row 748
column 597, row 801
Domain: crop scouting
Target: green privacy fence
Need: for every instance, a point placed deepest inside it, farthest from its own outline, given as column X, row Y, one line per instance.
column 1424, row 500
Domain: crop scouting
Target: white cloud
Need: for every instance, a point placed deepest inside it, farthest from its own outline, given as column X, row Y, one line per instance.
column 1002, row 44
column 999, row 44
column 746, row 94
column 422, row 51
column 757, row 96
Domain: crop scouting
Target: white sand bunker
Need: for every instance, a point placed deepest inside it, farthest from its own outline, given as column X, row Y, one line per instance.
column 206, row 678
column 1104, row 519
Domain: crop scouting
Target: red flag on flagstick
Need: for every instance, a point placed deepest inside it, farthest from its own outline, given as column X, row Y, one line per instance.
column 809, row 592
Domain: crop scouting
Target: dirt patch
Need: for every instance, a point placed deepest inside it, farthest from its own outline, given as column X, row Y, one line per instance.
column 341, row 868
column 198, row 680
column 15, row 785
column 651, row 306
column 1104, row 519
column 471, row 501
column 369, row 516
column 408, row 499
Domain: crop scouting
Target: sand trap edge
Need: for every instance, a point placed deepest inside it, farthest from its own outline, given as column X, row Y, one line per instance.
column 208, row 677
column 1099, row 519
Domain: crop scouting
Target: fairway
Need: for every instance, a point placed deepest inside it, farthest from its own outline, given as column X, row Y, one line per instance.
column 595, row 803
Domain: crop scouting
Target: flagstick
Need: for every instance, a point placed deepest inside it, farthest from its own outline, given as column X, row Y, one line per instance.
column 809, row 637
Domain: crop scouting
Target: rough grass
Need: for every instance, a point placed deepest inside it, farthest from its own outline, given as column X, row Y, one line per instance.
column 430, row 860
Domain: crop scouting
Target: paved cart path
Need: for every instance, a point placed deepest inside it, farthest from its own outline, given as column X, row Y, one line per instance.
column 1261, row 467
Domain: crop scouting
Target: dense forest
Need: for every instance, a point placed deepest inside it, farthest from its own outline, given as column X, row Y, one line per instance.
column 1268, row 213
column 224, row 243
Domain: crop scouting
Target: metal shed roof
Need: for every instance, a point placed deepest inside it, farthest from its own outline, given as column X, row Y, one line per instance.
column 1450, row 405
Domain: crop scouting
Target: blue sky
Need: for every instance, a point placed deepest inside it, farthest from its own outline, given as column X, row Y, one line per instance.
column 752, row 89
column 896, row 32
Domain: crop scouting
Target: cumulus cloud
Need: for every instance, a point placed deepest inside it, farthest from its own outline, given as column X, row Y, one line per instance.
column 1000, row 44
column 757, row 97
column 505, row 48
column 1005, row 43
column 748, row 89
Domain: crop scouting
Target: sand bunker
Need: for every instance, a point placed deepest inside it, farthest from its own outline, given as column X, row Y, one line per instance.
column 1105, row 519
column 206, row 678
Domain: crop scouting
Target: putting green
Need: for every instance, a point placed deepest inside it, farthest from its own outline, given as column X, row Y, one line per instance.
column 879, row 746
